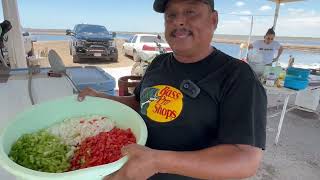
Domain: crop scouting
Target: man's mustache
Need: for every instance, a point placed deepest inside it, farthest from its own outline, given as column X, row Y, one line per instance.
column 184, row 30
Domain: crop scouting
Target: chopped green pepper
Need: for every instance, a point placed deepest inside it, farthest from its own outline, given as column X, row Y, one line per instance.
column 41, row 151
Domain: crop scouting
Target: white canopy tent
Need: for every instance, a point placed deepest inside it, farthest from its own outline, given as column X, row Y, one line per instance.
column 15, row 44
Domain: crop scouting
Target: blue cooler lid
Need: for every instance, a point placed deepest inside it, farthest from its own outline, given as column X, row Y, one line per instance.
column 91, row 76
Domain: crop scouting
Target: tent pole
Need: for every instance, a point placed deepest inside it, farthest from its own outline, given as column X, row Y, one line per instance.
column 276, row 15
column 15, row 44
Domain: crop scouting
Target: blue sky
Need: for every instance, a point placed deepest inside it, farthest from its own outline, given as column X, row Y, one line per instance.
column 296, row 19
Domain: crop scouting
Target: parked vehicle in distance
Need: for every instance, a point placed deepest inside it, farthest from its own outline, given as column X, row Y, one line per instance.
column 144, row 44
column 92, row 41
column 139, row 68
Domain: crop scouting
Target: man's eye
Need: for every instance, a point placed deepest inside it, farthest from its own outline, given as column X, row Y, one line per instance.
column 190, row 12
column 171, row 15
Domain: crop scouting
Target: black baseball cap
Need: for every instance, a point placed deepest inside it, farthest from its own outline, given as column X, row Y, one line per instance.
column 160, row 5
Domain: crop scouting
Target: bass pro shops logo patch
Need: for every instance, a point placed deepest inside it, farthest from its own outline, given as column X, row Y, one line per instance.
column 161, row 103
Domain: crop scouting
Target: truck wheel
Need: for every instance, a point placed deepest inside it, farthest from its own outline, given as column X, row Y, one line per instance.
column 115, row 58
column 124, row 52
column 136, row 57
column 76, row 59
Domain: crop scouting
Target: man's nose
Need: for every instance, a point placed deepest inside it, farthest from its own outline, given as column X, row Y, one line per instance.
column 180, row 20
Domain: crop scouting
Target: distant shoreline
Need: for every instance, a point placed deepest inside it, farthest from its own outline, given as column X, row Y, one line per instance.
column 228, row 36
column 219, row 38
column 305, row 48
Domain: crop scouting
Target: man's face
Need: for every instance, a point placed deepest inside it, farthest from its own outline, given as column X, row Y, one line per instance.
column 189, row 25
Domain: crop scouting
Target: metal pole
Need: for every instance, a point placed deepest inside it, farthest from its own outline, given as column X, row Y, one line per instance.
column 282, row 118
column 16, row 50
column 276, row 15
column 250, row 35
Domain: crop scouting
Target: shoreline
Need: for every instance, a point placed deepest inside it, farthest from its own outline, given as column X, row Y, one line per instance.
column 62, row 47
column 297, row 47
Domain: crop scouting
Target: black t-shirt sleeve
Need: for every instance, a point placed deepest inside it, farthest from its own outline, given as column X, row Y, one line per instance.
column 243, row 110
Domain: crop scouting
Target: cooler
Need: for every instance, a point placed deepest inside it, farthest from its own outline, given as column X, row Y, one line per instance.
column 297, row 78
column 93, row 77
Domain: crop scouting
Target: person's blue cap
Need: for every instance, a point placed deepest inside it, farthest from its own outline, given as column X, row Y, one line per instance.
column 160, row 5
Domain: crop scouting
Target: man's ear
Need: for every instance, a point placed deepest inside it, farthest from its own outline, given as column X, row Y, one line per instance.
column 215, row 19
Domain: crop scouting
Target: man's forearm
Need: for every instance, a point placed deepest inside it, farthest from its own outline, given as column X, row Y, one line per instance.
column 220, row 162
column 127, row 100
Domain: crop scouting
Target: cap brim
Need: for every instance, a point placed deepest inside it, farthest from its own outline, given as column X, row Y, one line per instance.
column 160, row 5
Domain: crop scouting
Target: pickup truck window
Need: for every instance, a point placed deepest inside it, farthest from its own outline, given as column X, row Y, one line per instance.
column 92, row 29
column 150, row 39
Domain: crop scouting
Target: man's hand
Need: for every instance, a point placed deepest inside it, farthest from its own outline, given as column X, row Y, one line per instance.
column 88, row 92
column 140, row 166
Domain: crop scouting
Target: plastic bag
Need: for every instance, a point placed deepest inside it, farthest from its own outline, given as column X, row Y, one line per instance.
column 255, row 60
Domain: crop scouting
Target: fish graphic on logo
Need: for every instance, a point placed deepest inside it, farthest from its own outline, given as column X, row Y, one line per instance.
column 148, row 95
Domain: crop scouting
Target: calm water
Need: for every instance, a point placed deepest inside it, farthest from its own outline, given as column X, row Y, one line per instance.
column 49, row 37
column 63, row 37
column 301, row 58
column 310, row 43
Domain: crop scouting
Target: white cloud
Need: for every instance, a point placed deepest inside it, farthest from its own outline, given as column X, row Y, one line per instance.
column 245, row 19
column 245, row 12
column 301, row 26
column 265, row 8
column 240, row 3
column 293, row 11
column 313, row 12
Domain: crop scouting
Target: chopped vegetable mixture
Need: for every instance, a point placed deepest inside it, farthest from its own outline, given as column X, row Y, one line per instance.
column 51, row 150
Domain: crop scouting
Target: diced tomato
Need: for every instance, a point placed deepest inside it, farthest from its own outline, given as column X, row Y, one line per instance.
column 101, row 149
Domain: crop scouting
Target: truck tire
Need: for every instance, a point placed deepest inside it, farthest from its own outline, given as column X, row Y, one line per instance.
column 136, row 57
column 115, row 59
column 116, row 56
column 124, row 52
column 76, row 59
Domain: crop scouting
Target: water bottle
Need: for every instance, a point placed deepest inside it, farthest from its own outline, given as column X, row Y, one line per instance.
column 291, row 61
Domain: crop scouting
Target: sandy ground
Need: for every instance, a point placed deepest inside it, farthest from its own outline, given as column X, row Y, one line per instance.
column 62, row 48
column 296, row 157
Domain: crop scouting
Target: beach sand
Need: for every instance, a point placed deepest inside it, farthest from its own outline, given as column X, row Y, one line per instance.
column 62, row 48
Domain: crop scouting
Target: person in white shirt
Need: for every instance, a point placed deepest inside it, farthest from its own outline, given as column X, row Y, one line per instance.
column 268, row 47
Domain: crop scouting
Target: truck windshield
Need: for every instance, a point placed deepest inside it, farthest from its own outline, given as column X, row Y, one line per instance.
column 92, row 29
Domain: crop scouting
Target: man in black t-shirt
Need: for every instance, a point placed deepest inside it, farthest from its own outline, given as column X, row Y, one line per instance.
column 205, row 111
